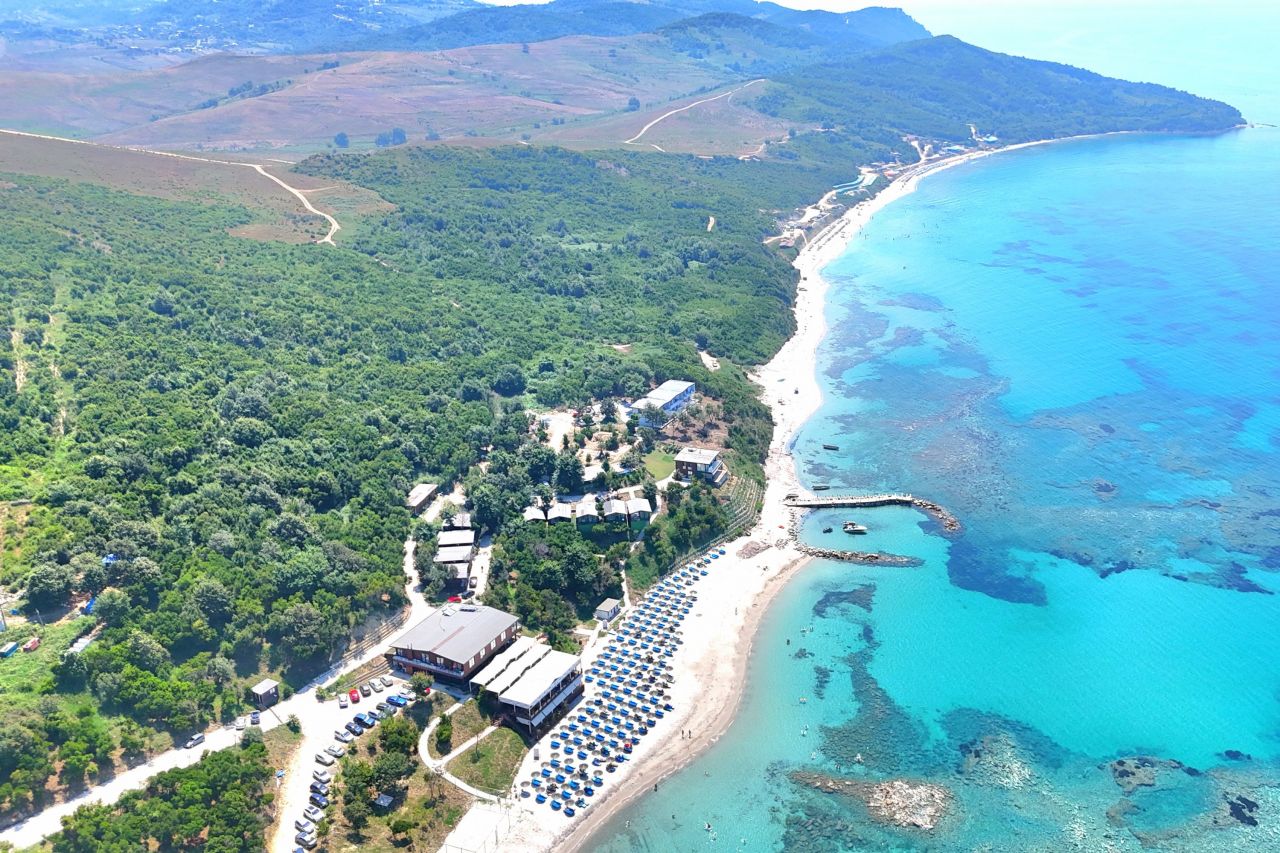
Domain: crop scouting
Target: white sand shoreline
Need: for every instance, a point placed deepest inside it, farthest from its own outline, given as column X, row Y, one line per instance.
column 711, row 666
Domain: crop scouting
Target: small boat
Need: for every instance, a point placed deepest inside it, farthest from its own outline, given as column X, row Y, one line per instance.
column 830, row 447
column 851, row 527
column 826, row 530
column 821, row 487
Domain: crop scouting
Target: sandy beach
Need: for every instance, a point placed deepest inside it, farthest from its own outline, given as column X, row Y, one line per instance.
column 710, row 668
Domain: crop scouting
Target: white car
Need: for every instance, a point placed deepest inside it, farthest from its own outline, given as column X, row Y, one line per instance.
column 386, row 681
column 303, row 825
column 336, row 750
column 343, row 701
column 323, row 776
column 324, row 758
column 240, row 724
column 313, row 813
column 376, row 685
column 343, row 736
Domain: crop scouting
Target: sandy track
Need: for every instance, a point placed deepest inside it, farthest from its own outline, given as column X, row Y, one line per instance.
column 670, row 113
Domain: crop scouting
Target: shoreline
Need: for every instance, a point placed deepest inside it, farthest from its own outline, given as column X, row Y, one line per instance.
column 712, row 664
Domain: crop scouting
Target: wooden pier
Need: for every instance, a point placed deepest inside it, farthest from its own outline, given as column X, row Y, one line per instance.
column 949, row 522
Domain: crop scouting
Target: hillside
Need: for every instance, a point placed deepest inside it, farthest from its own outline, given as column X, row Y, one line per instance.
column 938, row 87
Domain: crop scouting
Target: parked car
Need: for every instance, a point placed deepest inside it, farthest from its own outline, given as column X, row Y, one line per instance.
column 468, row 593
column 336, row 750
column 377, row 686
column 255, row 719
column 324, row 758
column 195, row 740
column 324, row 777
column 304, row 825
column 343, row 736
column 375, row 714
column 343, row 701
column 354, row 728
column 354, row 694
column 387, row 681
column 319, row 788
column 455, row 599
column 319, row 801
column 313, row 814
column 240, row 724
column 307, row 840
column 472, row 581
column 365, row 690
column 385, row 708
column 398, row 701
column 366, row 720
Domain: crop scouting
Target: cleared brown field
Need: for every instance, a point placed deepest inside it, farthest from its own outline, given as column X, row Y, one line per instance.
column 492, row 91
column 278, row 215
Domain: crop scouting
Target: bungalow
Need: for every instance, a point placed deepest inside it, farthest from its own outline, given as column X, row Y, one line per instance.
column 455, row 642
column 449, row 538
column 668, row 398
column 454, row 555
column 615, row 510
column 534, row 513
column 587, row 512
column 560, row 512
column 695, row 462
column 639, row 510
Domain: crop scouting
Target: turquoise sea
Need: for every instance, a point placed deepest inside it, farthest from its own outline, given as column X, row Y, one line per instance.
column 1076, row 349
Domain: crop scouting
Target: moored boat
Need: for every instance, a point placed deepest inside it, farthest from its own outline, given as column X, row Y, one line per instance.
column 851, row 527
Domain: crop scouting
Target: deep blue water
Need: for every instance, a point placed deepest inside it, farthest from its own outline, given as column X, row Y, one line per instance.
column 1076, row 348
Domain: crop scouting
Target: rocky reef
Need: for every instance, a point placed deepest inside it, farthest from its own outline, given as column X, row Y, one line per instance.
column 897, row 801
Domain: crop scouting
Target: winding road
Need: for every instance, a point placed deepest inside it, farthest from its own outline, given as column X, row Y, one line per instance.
column 670, row 113
column 334, row 227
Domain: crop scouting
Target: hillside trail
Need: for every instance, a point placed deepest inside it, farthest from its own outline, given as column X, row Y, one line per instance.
column 19, row 367
column 334, row 227
column 670, row 113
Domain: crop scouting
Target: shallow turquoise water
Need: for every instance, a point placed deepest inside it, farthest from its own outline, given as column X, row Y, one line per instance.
column 1075, row 349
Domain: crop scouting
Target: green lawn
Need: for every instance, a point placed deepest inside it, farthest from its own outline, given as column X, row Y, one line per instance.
column 660, row 464
column 23, row 672
column 491, row 764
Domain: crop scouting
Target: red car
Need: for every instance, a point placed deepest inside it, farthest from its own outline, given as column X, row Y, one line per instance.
column 455, row 599
column 354, row 695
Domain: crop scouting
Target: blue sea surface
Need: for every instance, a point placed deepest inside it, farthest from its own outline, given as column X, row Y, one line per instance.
column 1076, row 349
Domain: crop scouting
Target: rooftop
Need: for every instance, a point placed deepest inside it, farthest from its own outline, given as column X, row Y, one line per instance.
column 420, row 494
column 266, row 685
column 460, row 521
column 457, row 632
column 508, row 656
column 636, row 505
column 697, row 455
column 454, row 554
column 533, row 513
column 456, row 537
column 517, row 667
column 663, row 394
column 540, row 678
column 609, row 604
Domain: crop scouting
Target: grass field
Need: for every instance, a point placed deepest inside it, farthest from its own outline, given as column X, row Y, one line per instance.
column 492, row 763
column 467, row 722
column 430, row 805
column 22, row 674
column 660, row 464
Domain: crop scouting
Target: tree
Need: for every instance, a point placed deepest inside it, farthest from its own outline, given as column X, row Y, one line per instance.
column 356, row 809
column 633, row 104
column 421, row 682
column 341, row 140
column 49, row 585
column 213, row 600
column 509, row 381
column 112, row 607
column 444, row 732
column 401, row 826
column 390, row 769
column 398, row 734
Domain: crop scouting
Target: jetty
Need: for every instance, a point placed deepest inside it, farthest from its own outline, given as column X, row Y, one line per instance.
column 876, row 558
column 949, row 522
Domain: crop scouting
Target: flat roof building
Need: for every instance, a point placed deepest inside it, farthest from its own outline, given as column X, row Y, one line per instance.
column 586, row 510
column 615, row 510
column 639, row 508
column 669, row 397
column 455, row 641
column 695, row 462
column 544, row 689
column 608, row 609
column 534, row 513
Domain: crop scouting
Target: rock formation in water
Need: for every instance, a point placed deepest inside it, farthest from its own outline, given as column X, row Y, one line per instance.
column 898, row 802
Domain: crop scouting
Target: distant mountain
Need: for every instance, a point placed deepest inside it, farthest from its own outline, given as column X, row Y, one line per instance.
column 938, row 87
column 516, row 24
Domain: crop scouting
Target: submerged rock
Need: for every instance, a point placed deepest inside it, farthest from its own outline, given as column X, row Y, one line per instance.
column 897, row 801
